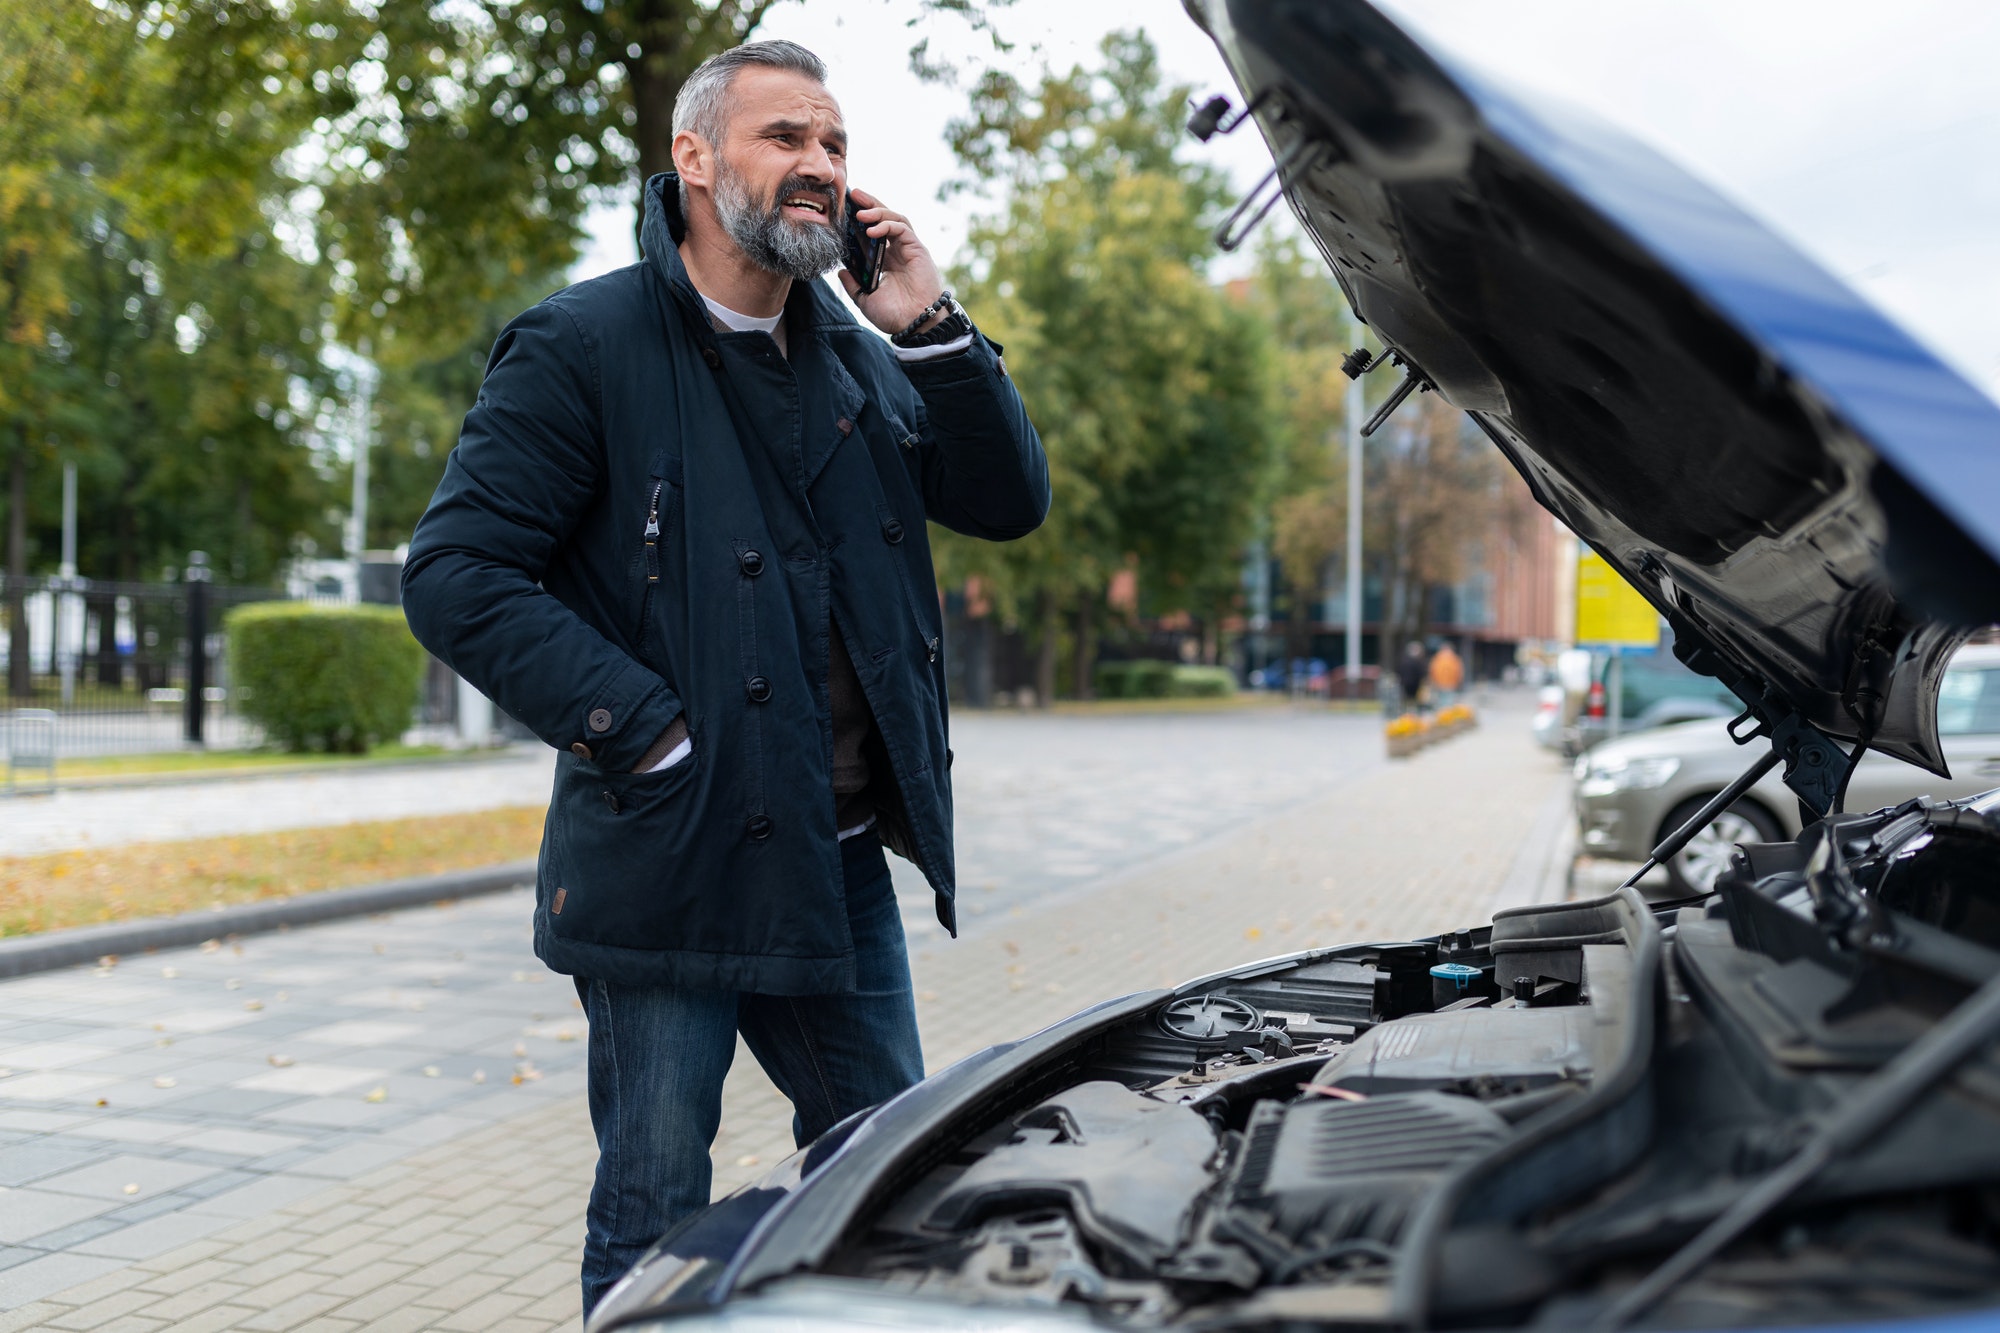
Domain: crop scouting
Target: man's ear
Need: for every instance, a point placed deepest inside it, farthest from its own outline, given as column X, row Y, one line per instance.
column 694, row 159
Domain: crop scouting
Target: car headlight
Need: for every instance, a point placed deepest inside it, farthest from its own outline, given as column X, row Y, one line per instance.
column 1606, row 777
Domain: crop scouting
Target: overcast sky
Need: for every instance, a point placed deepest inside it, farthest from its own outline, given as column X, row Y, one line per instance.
column 1867, row 133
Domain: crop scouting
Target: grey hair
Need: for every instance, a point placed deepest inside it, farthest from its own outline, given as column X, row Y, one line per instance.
column 700, row 106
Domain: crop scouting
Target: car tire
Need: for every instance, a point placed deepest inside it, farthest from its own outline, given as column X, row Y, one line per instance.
column 1696, row 867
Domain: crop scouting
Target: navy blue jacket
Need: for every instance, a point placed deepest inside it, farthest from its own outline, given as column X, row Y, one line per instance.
column 644, row 517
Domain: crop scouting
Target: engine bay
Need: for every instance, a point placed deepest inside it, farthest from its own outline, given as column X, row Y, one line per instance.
column 1513, row 1126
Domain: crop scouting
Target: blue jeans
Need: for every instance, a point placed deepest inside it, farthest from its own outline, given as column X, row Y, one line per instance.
column 658, row 1055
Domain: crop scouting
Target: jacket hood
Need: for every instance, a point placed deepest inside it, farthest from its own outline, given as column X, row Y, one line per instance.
column 1810, row 497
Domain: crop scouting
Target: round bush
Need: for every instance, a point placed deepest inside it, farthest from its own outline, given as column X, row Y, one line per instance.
column 334, row 678
column 1201, row 682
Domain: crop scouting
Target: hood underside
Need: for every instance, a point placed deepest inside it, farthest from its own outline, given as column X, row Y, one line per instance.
column 1810, row 497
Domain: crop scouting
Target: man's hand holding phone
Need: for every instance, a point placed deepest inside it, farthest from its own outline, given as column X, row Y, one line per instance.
column 907, row 277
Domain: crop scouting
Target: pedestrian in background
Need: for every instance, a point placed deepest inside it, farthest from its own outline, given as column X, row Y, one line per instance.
column 1412, row 668
column 1447, row 676
column 682, row 539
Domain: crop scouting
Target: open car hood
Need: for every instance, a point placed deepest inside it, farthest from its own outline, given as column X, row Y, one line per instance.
column 1809, row 496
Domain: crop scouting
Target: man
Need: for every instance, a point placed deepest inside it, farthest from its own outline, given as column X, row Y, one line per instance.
column 682, row 539
column 1447, row 674
column 1412, row 669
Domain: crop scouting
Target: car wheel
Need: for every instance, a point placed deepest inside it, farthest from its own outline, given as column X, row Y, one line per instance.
column 1696, row 867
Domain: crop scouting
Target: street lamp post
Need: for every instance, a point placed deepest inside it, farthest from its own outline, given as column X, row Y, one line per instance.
column 68, row 606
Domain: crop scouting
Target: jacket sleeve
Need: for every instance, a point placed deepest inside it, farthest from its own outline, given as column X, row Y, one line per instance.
column 985, row 474
column 529, row 462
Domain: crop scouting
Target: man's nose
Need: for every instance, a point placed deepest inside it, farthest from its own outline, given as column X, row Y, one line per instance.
column 817, row 164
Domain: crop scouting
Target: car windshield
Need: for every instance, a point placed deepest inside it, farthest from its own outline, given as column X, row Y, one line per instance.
column 1969, row 702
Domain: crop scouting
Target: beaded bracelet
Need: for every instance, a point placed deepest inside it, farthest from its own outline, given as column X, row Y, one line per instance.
column 944, row 299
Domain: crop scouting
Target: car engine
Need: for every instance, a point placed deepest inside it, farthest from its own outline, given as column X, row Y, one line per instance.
column 1515, row 1126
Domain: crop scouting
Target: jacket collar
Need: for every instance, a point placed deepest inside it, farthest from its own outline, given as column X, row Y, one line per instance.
column 811, row 305
column 811, row 310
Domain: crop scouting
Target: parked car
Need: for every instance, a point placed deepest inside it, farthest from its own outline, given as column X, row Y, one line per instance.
column 1632, row 792
column 1653, row 690
column 1774, row 1105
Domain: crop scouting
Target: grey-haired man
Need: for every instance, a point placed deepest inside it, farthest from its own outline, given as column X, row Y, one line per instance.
column 683, row 539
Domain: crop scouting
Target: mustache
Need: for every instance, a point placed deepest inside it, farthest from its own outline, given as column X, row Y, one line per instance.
column 796, row 185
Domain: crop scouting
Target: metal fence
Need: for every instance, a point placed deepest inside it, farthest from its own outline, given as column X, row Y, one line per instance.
column 124, row 667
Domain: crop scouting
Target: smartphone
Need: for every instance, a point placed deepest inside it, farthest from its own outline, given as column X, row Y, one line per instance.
column 863, row 257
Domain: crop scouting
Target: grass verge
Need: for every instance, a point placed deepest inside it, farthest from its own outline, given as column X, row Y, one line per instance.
column 1224, row 704
column 229, row 761
column 93, row 885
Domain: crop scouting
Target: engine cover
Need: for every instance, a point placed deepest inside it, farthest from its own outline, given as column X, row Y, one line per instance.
column 1491, row 1050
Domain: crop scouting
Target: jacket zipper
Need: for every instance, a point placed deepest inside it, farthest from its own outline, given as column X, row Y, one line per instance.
column 653, row 534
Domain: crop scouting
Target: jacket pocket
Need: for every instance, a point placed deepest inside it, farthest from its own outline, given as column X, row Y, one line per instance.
column 617, row 836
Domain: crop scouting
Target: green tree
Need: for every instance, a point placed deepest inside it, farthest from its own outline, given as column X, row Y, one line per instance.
column 163, row 340
column 1311, row 330
column 1150, row 387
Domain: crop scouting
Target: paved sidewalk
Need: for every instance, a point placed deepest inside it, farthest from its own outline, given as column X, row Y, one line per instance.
column 480, row 1229
column 109, row 816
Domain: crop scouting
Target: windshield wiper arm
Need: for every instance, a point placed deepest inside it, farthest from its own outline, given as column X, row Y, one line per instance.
column 1886, row 1094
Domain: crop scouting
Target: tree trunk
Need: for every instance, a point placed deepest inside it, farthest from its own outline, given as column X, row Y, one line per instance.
column 673, row 37
column 1086, row 644
column 1296, row 626
column 656, row 82
column 1045, row 657
column 19, row 683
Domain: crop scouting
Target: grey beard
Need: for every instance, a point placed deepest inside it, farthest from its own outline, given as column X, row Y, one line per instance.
column 797, row 250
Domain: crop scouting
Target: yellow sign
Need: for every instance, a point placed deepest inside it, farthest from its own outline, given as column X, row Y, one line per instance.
column 1609, row 612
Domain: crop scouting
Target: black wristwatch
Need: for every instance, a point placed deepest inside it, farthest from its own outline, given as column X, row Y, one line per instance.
column 955, row 325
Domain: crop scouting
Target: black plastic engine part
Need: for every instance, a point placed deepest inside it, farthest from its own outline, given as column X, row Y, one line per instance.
column 1126, row 1167
column 1546, row 943
column 1325, row 1172
column 1493, row 1050
column 1209, row 1019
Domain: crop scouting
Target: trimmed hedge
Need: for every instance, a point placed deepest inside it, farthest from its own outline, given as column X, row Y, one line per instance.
column 1151, row 679
column 333, row 678
column 1202, row 682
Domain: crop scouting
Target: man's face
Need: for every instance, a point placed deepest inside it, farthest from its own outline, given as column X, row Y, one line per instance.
column 780, row 173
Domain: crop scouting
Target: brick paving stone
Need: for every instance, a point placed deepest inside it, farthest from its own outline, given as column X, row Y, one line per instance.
column 132, row 1323
column 361, row 1281
column 195, row 1299
column 482, row 1313
column 36, row 1314
column 216, row 1319
column 101, row 1309
column 289, row 1314
column 382, row 1303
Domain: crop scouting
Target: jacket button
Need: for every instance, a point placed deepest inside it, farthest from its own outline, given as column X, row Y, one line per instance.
column 892, row 531
column 611, row 801
column 752, row 563
column 758, row 688
column 758, row 827
column 581, row 751
column 713, row 357
column 600, row 719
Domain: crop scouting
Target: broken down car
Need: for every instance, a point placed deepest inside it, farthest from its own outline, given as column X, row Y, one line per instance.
column 1775, row 1103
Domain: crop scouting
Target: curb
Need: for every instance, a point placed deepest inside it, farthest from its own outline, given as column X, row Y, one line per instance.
column 86, row 944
